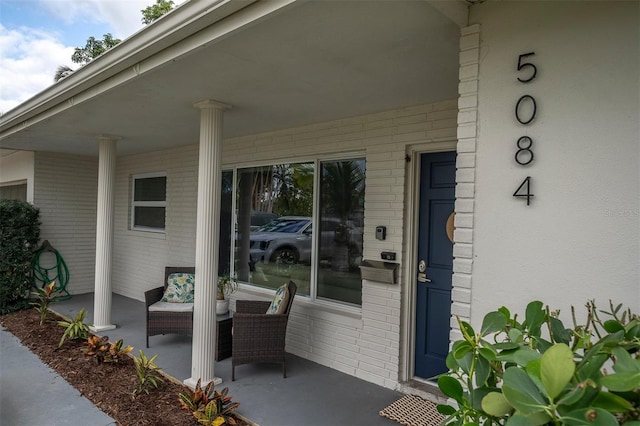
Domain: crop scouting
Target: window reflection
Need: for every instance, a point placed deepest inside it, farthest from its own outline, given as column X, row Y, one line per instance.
column 274, row 228
column 268, row 254
column 341, row 224
column 226, row 199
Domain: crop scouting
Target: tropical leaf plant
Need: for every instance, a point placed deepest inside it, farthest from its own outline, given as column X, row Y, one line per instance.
column 198, row 399
column 44, row 297
column 105, row 351
column 147, row 373
column 538, row 372
column 76, row 329
column 209, row 406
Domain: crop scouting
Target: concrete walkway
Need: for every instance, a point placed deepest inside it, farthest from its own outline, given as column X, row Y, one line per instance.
column 32, row 394
column 311, row 395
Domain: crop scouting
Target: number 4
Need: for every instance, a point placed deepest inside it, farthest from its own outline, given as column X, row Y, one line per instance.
column 524, row 190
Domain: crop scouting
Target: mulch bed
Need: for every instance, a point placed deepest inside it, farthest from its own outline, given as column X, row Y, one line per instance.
column 109, row 386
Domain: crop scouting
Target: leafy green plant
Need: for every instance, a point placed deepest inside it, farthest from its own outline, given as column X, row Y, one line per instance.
column 226, row 285
column 209, row 416
column 105, row 351
column 197, row 399
column 147, row 373
column 19, row 233
column 209, row 406
column 75, row 329
column 223, row 406
column 45, row 296
column 95, row 345
column 512, row 373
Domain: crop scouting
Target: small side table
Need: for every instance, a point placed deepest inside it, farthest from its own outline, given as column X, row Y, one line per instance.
column 224, row 324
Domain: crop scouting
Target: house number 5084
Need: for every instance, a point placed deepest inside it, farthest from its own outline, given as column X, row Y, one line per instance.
column 525, row 112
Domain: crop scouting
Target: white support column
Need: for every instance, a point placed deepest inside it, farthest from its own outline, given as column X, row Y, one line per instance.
column 207, row 240
column 104, row 234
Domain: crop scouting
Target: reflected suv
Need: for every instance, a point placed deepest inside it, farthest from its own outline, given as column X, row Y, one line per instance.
column 288, row 239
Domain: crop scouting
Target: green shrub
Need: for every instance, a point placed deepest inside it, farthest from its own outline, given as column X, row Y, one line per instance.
column 538, row 372
column 19, row 234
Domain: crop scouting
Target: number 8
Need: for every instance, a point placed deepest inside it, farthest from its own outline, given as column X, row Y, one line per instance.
column 526, row 149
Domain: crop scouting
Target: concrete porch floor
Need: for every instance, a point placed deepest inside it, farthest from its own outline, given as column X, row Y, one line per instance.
column 310, row 395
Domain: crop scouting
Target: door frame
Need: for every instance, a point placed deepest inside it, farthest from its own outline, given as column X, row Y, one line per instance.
column 407, row 370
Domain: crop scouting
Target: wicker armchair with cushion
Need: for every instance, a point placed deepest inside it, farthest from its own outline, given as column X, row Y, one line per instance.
column 170, row 308
column 259, row 329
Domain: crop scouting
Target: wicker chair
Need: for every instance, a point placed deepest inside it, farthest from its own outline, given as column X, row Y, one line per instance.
column 259, row 337
column 167, row 322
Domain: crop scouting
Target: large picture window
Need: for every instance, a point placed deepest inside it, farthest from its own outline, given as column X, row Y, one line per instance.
column 341, row 221
column 277, row 215
column 149, row 202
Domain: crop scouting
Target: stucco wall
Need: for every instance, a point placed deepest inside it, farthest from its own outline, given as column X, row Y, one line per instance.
column 18, row 167
column 579, row 238
column 65, row 193
column 362, row 342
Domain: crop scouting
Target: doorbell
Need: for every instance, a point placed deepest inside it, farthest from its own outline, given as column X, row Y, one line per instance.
column 381, row 232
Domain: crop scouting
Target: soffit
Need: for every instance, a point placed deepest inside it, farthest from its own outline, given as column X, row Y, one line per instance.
column 310, row 62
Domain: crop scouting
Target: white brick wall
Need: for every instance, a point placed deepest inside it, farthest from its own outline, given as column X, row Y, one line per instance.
column 65, row 192
column 139, row 257
column 363, row 343
column 465, row 176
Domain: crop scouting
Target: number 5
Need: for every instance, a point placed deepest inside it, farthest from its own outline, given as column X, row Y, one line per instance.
column 522, row 65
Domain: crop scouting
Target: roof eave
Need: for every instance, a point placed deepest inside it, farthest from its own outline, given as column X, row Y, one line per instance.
column 185, row 20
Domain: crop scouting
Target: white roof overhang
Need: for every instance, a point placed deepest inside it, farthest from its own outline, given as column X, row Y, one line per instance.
column 279, row 63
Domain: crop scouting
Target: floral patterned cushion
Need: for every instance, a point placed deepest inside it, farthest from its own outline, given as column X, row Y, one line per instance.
column 179, row 288
column 280, row 300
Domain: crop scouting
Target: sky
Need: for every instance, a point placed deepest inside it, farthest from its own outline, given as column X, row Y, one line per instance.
column 37, row 36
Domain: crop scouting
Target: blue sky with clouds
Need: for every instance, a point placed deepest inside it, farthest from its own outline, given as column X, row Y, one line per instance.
column 37, row 36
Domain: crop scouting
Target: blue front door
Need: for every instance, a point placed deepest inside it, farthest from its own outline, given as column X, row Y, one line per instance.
column 435, row 262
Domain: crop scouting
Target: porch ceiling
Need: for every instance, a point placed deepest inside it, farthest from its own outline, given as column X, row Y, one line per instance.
column 309, row 62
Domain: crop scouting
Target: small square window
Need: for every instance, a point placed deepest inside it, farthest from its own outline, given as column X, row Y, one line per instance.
column 14, row 192
column 149, row 202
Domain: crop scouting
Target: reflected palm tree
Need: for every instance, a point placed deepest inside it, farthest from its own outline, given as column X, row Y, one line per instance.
column 342, row 197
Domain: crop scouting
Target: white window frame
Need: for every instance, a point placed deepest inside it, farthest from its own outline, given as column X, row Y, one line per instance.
column 14, row 186
column 313, row 298
column 134, row 203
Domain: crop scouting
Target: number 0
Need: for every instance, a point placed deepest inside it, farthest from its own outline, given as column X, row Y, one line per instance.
column 532, row 109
